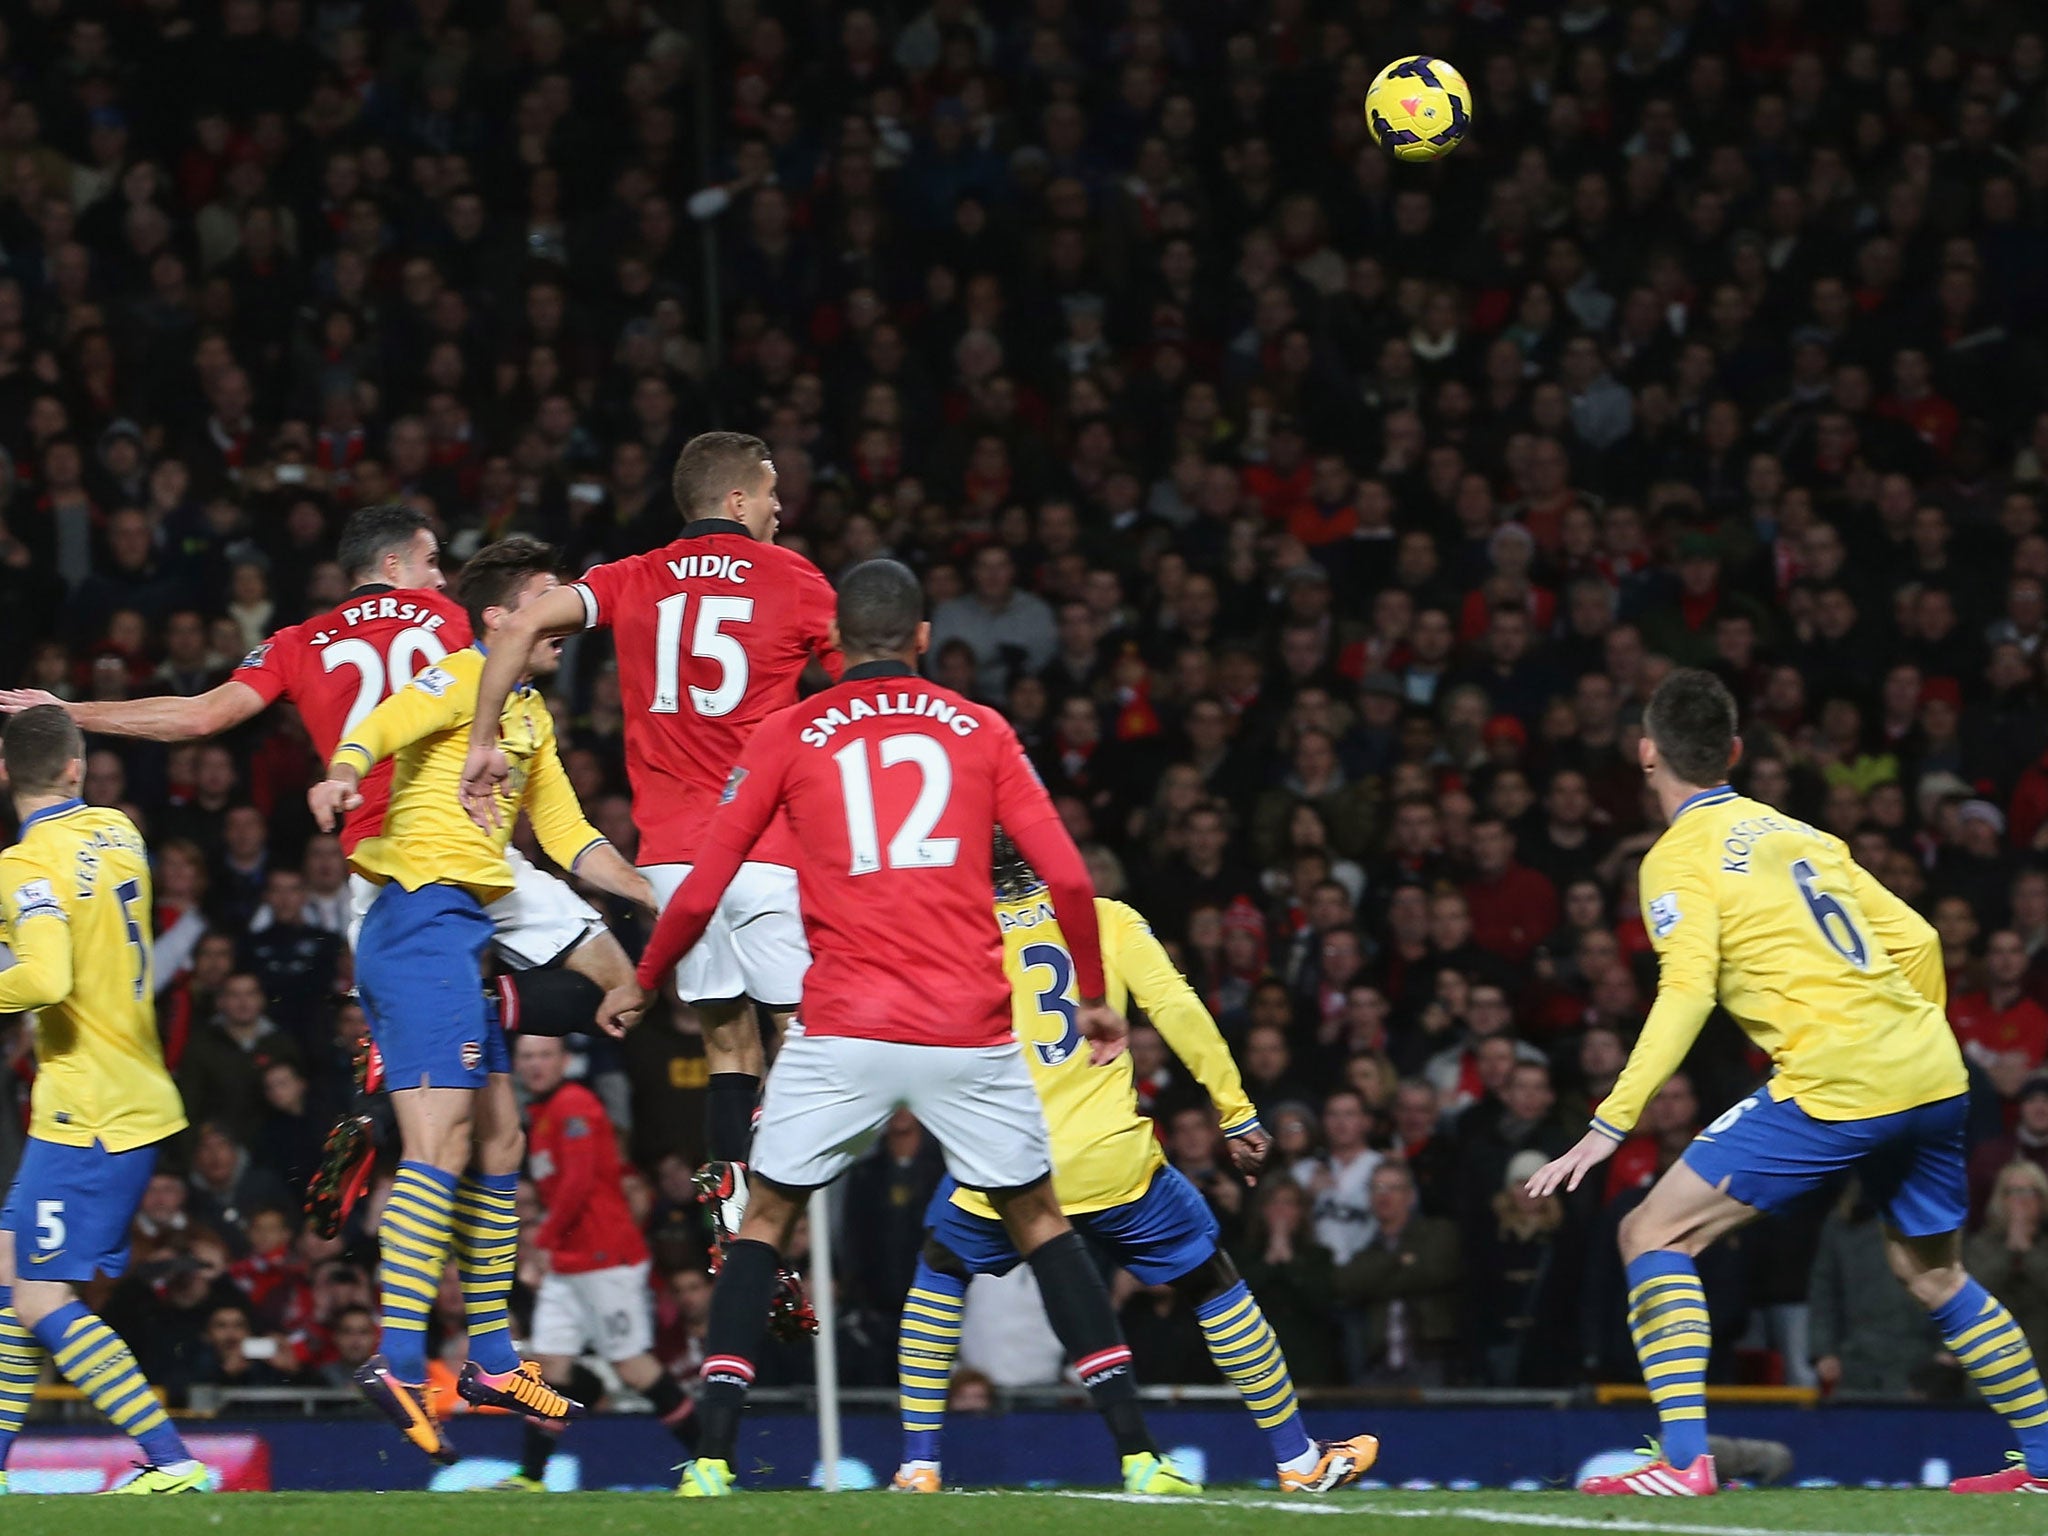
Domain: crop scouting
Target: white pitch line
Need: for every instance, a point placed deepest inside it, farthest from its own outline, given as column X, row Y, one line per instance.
column 1479, row 1514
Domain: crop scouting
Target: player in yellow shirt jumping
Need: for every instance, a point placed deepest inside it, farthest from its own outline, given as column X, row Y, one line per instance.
column 1842, row 984
column 75, row 896
column 1112, row 1180
column 418, row 964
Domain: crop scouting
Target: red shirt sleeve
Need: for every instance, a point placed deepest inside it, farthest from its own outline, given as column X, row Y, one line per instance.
column 602, row 588
column 752, row 796
column 263, row 668
column 1025, row 811
column 575, row 1152
column 821, row 612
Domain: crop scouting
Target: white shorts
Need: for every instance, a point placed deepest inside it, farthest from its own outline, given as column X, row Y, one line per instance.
column 755, row 946
column 829, row 1096
column 540, row 921
column 609, row 1312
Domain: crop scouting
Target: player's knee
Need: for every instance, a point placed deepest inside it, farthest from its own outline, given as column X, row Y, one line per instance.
column 1198, row 1287
column 35, row 1300
column 1643, row 1231
column 944, row 1261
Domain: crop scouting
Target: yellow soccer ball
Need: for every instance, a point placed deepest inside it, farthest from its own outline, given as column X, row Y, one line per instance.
column 1419, row 108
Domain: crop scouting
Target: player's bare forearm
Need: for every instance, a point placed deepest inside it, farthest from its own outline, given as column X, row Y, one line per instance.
column 171, row 718
column 605, row 867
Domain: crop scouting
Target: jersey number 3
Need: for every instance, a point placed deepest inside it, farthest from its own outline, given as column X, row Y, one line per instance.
column 1053, row 1001
column 1829, row 916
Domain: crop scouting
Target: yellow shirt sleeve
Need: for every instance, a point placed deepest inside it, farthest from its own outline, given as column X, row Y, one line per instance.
column 1684, row 921
column 1170, row 1003
column 39, row 932
column 1903, row 933
column 551, row 803
column 438, row 699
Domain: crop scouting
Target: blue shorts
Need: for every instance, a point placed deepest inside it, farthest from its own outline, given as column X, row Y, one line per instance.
column 419, row 963
column 69, row 1209
column 1769, row 1152
column 1165, row 1233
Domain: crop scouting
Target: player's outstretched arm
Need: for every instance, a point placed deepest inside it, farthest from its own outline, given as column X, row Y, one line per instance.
column 164, row 719
column 1183, row 1023
column 570, row 839
column 485, row 771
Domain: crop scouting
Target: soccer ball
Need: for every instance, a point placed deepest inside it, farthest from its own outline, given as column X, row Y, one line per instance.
column 1419, row 108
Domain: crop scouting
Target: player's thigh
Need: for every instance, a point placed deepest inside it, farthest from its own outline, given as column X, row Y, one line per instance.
column 1682, row 1213
column 559, row 1327
column 982, row 1243
column 1917, row 1174
column 420, row 971
column 710, row 973
column 540, row 920
column 6, row 1254
column 768, row 937
column 826, row 1101
column 1167, row 1232
column 70, row 1209
column 1764, row 1155
column 980, row 1104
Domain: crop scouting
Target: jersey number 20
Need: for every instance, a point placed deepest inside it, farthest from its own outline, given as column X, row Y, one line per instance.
column 377, row 677
column 1829, row 917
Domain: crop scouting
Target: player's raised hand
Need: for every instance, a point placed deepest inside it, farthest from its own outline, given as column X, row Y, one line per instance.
column 621, row 1009
column 1107, row 1031
column 1569, row 1171
column 14, row 700
column 484, row 773
column 332, row 799
column 1248, row 1150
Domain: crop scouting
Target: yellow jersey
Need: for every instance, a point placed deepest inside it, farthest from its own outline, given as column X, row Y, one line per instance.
column 1835, row 977
column 1104, row 1153
column 75, row 896
column 427, row 837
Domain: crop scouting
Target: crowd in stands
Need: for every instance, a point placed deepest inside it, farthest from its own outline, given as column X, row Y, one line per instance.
column 1321, row 522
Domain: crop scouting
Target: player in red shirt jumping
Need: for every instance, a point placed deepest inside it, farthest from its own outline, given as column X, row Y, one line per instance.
column 593, row 1292
column 712, row 634
column 893, row 787
column 337, row 667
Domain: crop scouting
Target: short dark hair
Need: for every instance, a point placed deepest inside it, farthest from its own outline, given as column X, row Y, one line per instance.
column 711, row 467
column 41, row 742
column 371, row 533
column 1691, row 717
column 880, row 607
column 497, row 571
column 1015, row 878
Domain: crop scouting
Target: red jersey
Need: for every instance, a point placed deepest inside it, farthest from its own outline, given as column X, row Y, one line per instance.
column 574, row 1159
column 894, row 787
column 712, row 634
column 343, row 664
column 1985, row 1031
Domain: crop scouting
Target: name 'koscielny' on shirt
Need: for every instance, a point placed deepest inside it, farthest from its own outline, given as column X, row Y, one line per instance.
column 820, row 730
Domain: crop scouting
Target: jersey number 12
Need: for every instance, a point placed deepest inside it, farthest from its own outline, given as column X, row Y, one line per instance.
column 913, row 846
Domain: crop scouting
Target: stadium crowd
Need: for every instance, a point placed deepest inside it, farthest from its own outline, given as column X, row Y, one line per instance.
column 1322, row 524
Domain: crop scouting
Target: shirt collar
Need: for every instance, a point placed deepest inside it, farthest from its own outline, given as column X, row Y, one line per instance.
column 704, row 527
column 369, row 588
column 1714, row 796
column 868, row 669
column 61, row 808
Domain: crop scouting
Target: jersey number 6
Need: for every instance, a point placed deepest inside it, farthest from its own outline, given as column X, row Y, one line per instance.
column 1829, row 917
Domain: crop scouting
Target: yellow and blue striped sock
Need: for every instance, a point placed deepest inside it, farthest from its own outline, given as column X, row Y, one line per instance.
column 94, row 1360
column 1674, row 1337
column 487, row 1254
column 1247, row 1352
column 413, row 1242
column 927, row 1343
column 1988, row 1344
column 21, row 1367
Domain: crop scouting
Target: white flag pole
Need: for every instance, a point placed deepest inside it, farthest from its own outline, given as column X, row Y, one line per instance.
column 827, row 1341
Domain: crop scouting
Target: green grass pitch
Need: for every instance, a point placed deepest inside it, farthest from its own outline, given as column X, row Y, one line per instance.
column 1843, row 1513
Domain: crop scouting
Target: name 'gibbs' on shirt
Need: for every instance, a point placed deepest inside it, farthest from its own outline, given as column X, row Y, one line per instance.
column 822, row 727
column 711, row 568
column 371, row 609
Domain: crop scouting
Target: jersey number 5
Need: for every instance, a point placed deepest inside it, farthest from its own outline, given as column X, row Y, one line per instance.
column 913, row 846
column 1829, row 917
column 129, row 893
column 379, row 676
column 1053, row 1001
column 707, row 642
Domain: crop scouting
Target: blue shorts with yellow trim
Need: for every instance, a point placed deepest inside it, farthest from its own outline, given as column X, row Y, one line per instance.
column 1165, row 1233
column 1769, row 1152
column 419, row 963
column 69, row 1209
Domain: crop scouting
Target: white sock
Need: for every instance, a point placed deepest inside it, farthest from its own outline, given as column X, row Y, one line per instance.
column 919, row 1466
column 1305, row 1462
